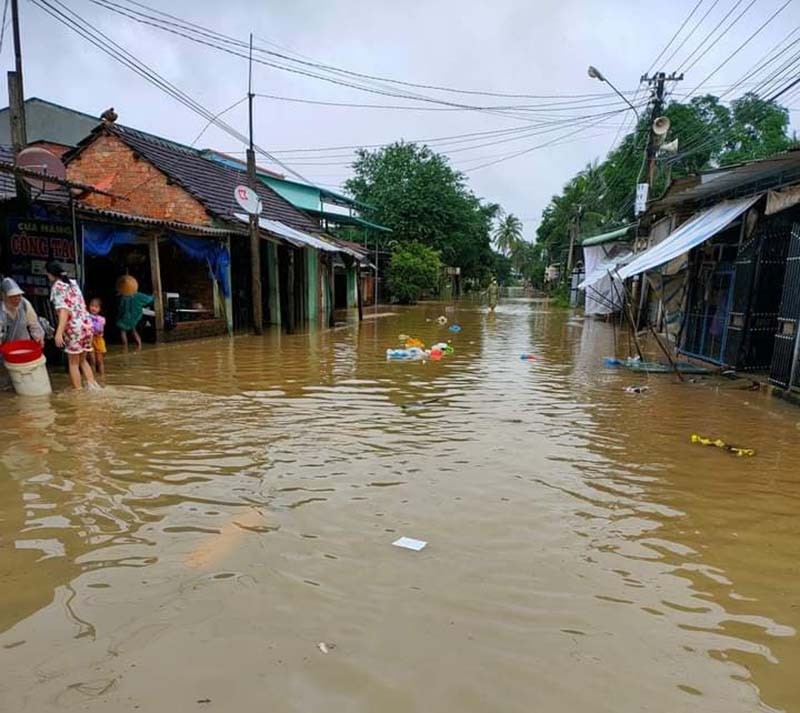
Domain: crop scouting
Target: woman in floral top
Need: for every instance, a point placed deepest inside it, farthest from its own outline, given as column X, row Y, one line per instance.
column 74, row 331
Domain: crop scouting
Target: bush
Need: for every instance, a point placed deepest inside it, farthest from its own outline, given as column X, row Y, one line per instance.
column 413, row 269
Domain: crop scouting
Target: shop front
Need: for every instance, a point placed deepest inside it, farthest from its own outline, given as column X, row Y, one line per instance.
column 187, row 275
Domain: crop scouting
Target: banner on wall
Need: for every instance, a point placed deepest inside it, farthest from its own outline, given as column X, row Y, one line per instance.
column 30, row 245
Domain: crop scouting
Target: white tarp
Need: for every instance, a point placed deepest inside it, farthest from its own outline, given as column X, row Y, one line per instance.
column 692, row 233
column 604, row 291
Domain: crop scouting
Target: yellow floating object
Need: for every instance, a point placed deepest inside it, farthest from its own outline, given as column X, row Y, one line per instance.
column 414, row 342
column 719, row 443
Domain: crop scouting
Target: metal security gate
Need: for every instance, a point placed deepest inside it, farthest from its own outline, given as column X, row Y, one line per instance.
column 757, row 291
column 785, row 371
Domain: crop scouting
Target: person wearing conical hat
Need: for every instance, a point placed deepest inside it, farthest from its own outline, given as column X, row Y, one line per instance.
column 18, row 320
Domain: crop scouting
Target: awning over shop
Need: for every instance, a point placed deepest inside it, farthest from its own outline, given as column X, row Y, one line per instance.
column 692, row 233
column 609, row 237
column 295, row 237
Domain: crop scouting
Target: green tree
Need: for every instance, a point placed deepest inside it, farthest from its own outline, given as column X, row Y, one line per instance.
column 709, row 133
column 758, row 129
column 416, row 193
column 414, row 268
column 508, row 234
column 502, row 268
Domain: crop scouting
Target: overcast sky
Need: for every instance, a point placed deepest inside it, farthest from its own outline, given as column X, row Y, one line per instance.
column 508, row 46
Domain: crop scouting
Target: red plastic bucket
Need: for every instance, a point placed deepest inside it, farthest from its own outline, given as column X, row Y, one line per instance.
column 21, row 351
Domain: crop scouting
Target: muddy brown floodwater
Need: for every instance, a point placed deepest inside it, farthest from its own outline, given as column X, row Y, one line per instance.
column 186, row 539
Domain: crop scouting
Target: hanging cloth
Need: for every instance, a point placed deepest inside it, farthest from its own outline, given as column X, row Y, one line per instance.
column 214, row 254
column 100, row 239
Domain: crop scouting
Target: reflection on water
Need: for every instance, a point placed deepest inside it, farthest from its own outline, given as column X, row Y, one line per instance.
column 222, row 507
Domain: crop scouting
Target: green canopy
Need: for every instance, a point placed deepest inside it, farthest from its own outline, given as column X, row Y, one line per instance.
column 607, row 237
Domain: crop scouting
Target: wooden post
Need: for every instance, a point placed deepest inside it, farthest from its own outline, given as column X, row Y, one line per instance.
column 290, row 291
column 358, row 292
column 158, row 294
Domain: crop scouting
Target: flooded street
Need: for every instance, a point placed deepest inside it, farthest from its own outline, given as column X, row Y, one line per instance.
column 184, row 540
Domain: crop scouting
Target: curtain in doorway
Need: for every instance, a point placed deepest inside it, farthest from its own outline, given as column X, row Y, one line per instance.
column 99, row 240
column 213, row 253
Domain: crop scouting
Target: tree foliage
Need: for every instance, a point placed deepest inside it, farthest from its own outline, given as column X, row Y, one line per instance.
column 508, row 234
column 709, row 133
column 414, row 268
column 417, row 194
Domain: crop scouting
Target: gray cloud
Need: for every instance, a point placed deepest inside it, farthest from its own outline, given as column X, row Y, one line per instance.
column 505, row 45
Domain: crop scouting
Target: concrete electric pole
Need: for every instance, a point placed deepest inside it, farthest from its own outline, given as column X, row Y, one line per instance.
column 255, row 239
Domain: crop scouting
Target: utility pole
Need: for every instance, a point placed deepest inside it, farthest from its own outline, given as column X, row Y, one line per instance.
column 658, row 81
column 16, row 99
column 574, row 230
column 255, row 239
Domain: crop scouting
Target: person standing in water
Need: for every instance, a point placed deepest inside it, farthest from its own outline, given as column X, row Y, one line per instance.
column 98, row 340
column 492, row 294
column 18, row 320
column 130, row 308
column 74, row 331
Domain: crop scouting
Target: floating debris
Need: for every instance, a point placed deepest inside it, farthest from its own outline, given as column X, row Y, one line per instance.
column 325, row 648
column 409, row 543
column 636, row 389
column 455, row 328
column 719, row 443
column 442, row 320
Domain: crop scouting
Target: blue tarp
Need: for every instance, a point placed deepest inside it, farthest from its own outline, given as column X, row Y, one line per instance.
column 211, row 252
column 100, row 239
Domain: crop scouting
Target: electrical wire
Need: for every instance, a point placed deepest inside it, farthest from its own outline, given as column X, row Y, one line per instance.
column 690, row 35
column 675, row 36
column 204, row 39
column 215, row 117
column 745, row 43
column 178, row 22
column 683, row 65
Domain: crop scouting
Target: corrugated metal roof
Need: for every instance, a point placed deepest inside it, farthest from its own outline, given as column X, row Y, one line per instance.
column 211, row 182
column 736, row 181
column 607, row 237
column 116, row 216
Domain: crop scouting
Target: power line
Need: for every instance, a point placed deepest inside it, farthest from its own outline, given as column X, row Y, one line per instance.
column 83, row 28
column 675, row 36
column 180, row 22
column 745, row 43
column 682, row 66
column 532, row 108
column 205, row 37
column 689, row 36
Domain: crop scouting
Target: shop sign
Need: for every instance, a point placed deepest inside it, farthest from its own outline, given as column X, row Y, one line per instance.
column 31, row 244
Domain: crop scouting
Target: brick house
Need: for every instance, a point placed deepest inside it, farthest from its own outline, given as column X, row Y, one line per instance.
column 172, row 221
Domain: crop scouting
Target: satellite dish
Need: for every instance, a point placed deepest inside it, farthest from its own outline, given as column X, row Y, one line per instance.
column 247, row 199
column 661, row 126
column 44, row 162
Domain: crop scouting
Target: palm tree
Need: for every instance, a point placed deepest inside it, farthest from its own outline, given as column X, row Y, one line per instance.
column 508, row 234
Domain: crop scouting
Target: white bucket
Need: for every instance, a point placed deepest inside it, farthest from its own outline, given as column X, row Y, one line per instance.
column 30, row 379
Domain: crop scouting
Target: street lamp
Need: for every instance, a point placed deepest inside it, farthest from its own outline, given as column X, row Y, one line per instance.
column 595, row 73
